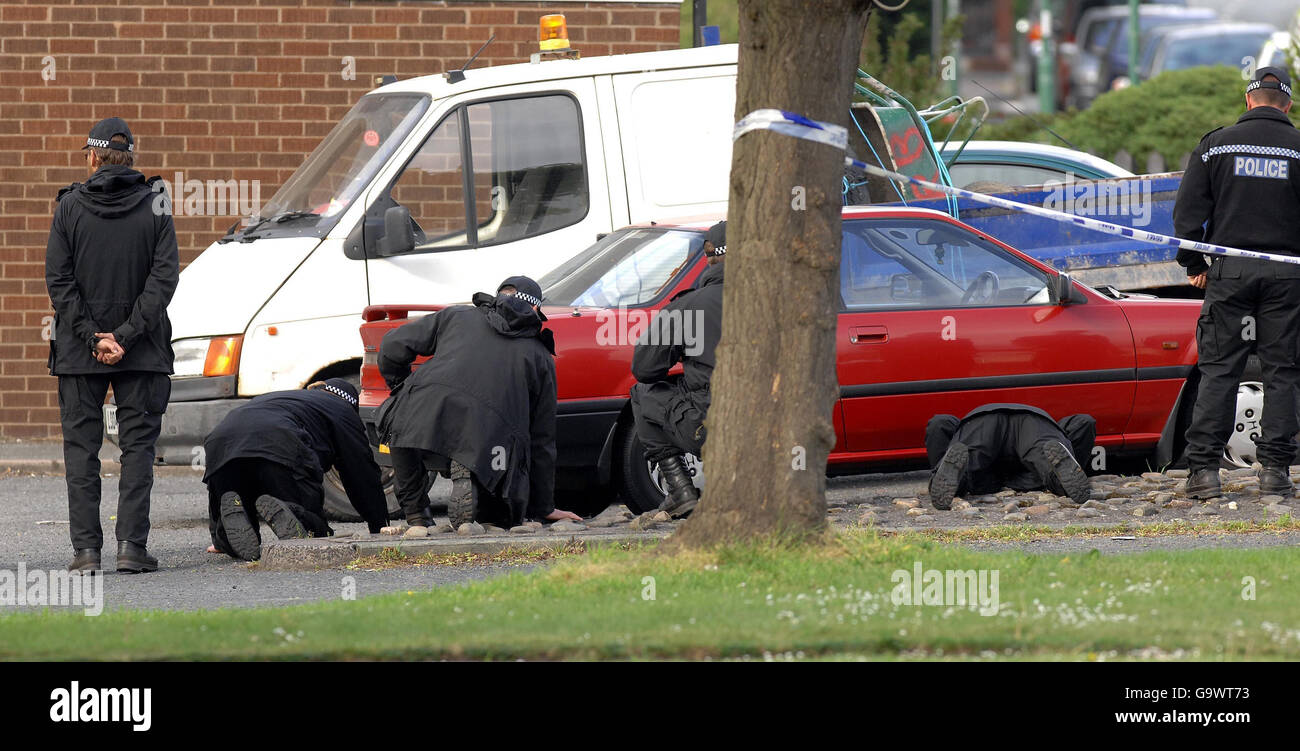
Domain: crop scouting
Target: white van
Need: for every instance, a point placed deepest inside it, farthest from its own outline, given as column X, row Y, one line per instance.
column 511, row 170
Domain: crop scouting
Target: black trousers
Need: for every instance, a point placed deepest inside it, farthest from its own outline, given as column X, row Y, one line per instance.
column 412, row 480
column 668, row 421
column 251, row 478
column 1000, row 445
column 1248, row 304
column 141, row 400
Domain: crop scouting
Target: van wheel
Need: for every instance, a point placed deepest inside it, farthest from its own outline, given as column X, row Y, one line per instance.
column 642, row 486
column 337, row 506
column 339, row 509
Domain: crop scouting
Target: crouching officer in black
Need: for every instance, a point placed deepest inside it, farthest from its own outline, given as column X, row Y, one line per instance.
column 266, row 461
column 1008, row 445
column 669, row 411
column 480, row 411
column 1242, row 189
column 111, row 268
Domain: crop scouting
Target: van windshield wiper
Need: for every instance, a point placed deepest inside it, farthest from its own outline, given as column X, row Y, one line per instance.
column 258, row 221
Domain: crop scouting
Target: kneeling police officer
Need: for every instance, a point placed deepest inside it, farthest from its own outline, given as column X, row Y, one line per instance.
column 668, row 410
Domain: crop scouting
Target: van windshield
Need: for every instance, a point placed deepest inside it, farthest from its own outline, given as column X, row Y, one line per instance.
column 342, row 165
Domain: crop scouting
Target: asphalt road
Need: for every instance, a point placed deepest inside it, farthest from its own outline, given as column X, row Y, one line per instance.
column 34, row 514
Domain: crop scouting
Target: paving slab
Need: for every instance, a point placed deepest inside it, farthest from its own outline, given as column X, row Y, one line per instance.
column 335, row 552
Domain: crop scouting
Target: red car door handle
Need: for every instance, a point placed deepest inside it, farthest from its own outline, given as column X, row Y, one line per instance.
column 868, row 335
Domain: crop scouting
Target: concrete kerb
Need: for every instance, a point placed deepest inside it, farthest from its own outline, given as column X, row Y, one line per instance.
column 336, row 552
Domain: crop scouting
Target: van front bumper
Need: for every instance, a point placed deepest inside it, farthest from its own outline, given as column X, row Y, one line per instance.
column 184, row 426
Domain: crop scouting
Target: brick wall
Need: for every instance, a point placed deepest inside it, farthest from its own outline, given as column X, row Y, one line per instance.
column 191, row 77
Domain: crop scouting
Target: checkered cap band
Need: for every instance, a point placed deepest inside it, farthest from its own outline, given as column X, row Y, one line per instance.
column 1268, row 85
column 345, row 396
column 100, row 143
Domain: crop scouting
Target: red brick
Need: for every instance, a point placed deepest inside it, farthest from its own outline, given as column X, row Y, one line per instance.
column 196, row 78
column 15, row 13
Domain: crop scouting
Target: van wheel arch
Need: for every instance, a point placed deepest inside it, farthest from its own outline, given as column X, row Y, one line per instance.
column 349, row 369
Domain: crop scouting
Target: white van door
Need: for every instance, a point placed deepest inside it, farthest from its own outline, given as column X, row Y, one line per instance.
column 531, row 161
column 675, row 127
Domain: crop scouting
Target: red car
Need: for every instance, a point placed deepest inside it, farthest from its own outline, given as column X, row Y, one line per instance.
column 935, row 318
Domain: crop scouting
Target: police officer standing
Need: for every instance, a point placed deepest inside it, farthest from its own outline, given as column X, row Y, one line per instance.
column 669, row 411
column 1242, row 189
column 111, row 268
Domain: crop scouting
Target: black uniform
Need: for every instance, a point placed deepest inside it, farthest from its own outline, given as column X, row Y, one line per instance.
column 111, row 266
column 281, row 444
column 670, row 411
column 485, row 400
column 1002, row 439
column 1242, row 189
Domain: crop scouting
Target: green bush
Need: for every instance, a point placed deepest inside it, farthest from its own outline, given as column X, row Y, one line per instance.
column 1166, row 115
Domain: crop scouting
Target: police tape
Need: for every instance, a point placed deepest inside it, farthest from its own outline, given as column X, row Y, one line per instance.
column 797, row 126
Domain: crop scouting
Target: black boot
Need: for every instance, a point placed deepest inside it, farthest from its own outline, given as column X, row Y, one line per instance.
column 1203, row 484
column 134, row 559
column 85, row 559
column 1276, row 480
column 239, row 530
column 283, row 522
column 1060, row 472
column 682, row 495
column 945, row 481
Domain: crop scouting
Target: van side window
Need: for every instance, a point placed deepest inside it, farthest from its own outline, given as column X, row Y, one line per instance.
column 431, row 187
column 529, row 173
column 526, row 171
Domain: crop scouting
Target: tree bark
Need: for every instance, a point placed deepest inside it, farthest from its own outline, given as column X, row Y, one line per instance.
column 774, row 389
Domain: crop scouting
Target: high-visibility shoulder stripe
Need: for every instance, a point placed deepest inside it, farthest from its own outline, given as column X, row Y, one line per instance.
column 1246, row 148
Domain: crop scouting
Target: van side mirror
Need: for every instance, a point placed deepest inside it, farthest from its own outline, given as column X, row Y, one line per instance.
column 398, row 237
column 1062, row 291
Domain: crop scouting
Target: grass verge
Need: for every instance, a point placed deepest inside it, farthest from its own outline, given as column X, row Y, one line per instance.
column 754, row 601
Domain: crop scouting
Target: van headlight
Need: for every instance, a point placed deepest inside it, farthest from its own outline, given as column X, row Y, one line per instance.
column 215, row 356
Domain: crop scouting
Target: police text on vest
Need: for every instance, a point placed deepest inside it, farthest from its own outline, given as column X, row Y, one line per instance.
column 1258, row 166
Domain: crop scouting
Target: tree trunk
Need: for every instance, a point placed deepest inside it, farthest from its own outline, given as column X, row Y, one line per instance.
column 774, row 389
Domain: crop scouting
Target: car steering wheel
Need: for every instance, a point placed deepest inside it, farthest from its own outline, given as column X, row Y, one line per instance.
column 985, row 279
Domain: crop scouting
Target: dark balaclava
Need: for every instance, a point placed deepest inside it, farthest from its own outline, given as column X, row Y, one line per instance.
column 527, row 291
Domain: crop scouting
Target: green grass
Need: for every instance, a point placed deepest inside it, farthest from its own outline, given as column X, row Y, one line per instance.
column 750, row 602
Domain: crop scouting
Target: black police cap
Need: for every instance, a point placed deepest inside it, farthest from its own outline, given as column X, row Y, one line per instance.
column 101, row 136
column 1283, row 82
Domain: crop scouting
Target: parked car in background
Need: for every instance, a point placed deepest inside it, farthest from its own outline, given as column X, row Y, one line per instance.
column 1234, row 44
column 1020, row 332
column 1109, row 45
column 1278, row 51
column 1016, row 163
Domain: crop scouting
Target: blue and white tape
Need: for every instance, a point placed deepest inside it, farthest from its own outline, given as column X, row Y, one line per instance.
column 790, row 124
column 830, row 134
